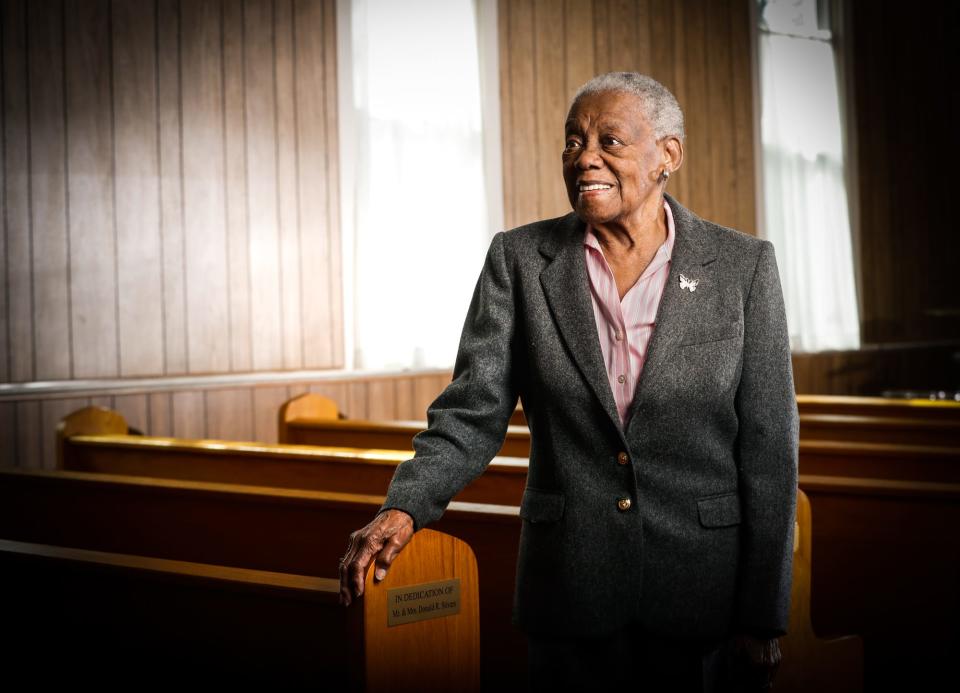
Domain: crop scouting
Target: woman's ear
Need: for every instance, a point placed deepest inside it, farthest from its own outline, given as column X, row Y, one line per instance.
column 672, row 154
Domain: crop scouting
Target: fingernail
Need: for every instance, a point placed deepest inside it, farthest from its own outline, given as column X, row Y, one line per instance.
column 380, row 574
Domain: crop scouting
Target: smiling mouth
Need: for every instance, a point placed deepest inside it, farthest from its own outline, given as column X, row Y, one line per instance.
column 588, row 187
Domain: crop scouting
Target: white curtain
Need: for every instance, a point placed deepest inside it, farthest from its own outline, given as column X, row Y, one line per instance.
column 805, row 197
column 418, row 207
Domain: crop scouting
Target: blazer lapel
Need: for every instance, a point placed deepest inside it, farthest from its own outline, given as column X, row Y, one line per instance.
column 693, row 253
column 567, row 288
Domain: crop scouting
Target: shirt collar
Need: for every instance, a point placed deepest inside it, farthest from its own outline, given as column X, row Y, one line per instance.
column 664, row 252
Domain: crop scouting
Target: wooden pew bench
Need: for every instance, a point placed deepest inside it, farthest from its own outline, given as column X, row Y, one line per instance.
column 127, row 620
column 218, row 461
column 266, row 529
column 859, row 423
column 313, row 420
column 94, row 439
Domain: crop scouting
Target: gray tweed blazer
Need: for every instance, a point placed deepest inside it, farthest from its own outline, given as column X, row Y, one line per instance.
column 705, row 547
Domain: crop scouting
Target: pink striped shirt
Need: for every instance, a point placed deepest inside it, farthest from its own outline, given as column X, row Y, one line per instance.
column 625, row 327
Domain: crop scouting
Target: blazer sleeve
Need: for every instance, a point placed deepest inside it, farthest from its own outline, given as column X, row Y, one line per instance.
column 767, row 448
column 467, row 423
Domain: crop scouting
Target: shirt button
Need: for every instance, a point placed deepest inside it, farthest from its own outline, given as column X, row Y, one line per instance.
column 621, row 379
column 622, row 458
column 618, row 335
column 624, row 503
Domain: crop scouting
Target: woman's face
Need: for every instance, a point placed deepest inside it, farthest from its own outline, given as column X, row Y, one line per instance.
column 611, row 161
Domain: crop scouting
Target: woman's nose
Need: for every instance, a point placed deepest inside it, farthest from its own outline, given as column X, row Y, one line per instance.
column 589, row 158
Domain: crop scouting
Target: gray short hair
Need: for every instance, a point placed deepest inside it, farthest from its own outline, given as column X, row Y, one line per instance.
column 660, row 107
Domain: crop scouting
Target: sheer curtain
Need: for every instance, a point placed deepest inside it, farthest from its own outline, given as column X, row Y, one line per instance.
column 805, row 196
column 415, row 205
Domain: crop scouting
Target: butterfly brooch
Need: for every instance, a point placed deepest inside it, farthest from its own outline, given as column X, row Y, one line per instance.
column 688, row 283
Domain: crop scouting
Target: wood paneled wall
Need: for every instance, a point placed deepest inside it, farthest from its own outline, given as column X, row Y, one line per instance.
column 243, row 412
column 907, row 110
column 170, row 195
column 698, row 50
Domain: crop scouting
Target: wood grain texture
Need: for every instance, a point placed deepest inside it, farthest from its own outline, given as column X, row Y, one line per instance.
column 262, row 199
column 235, row 187
column 229, row 414
column 701, row 51
column 137, row 196
column 16, row 195
column 316, row 191
column 287, row 185
column 171, row 184
column 158, row 161
column 48, row 192
column 907, row 239
column 205, row 246
column 89, row 209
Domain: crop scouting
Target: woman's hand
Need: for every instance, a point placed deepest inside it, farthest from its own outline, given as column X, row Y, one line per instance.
column 382, row 539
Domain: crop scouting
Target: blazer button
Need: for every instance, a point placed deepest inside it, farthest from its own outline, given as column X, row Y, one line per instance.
column 623, row 458
column 624, row 503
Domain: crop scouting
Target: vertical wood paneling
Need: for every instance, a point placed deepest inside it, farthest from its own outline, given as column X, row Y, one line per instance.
column 188, row 415
column 171, row 184
column 137, row 200
column 51, row 412
column 578, row 49
column 16, row 197
column 332, row 149
column 203, row 203
column 4, row 322
column 403, row 396
column 29, row 454
column 381, row 399
column 320, row 305
column 8, row 435
column 160, row 414
column 229, row 414
column 551, row 107
column 520, row 151
column 266, row 408
column 743, row 130
column 623, row 35
column 602, row 55
column 48, row 192
column 262, row 184
column 93, row 250
column 235, row 194
column 135, row 409
column 722, row 160
column 288, row 210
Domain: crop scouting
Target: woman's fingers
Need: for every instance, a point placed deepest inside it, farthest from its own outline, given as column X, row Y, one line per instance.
column 384, row 537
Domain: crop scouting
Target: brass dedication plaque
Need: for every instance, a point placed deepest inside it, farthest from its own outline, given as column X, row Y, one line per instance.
column 421, row 602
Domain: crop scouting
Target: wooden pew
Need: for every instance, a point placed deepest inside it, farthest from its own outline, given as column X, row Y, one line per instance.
column 94, row 439
column 116, row 617
column 810, row 663
column 504, row 488
column 311, row 419
column 267, row 529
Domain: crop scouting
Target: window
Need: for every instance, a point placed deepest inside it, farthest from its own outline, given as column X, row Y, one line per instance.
column 806, row 214
column 420, row 173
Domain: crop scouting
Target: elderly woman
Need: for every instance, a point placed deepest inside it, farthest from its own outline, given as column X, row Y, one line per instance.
column 649, row 348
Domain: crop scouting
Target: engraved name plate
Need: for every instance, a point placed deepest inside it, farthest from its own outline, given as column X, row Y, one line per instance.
column 421, row 602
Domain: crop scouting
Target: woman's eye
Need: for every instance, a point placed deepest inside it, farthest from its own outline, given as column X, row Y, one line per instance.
column 611, row 141
column 571, row 144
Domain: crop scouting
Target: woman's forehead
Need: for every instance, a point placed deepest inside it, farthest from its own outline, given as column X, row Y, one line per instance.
column 615, row 109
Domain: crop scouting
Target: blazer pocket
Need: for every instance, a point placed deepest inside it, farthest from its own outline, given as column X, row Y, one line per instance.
column 719, row 511
column 541, row 506
column 710, row 333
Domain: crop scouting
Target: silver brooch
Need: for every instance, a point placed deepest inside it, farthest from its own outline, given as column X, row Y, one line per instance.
column 688, row 283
